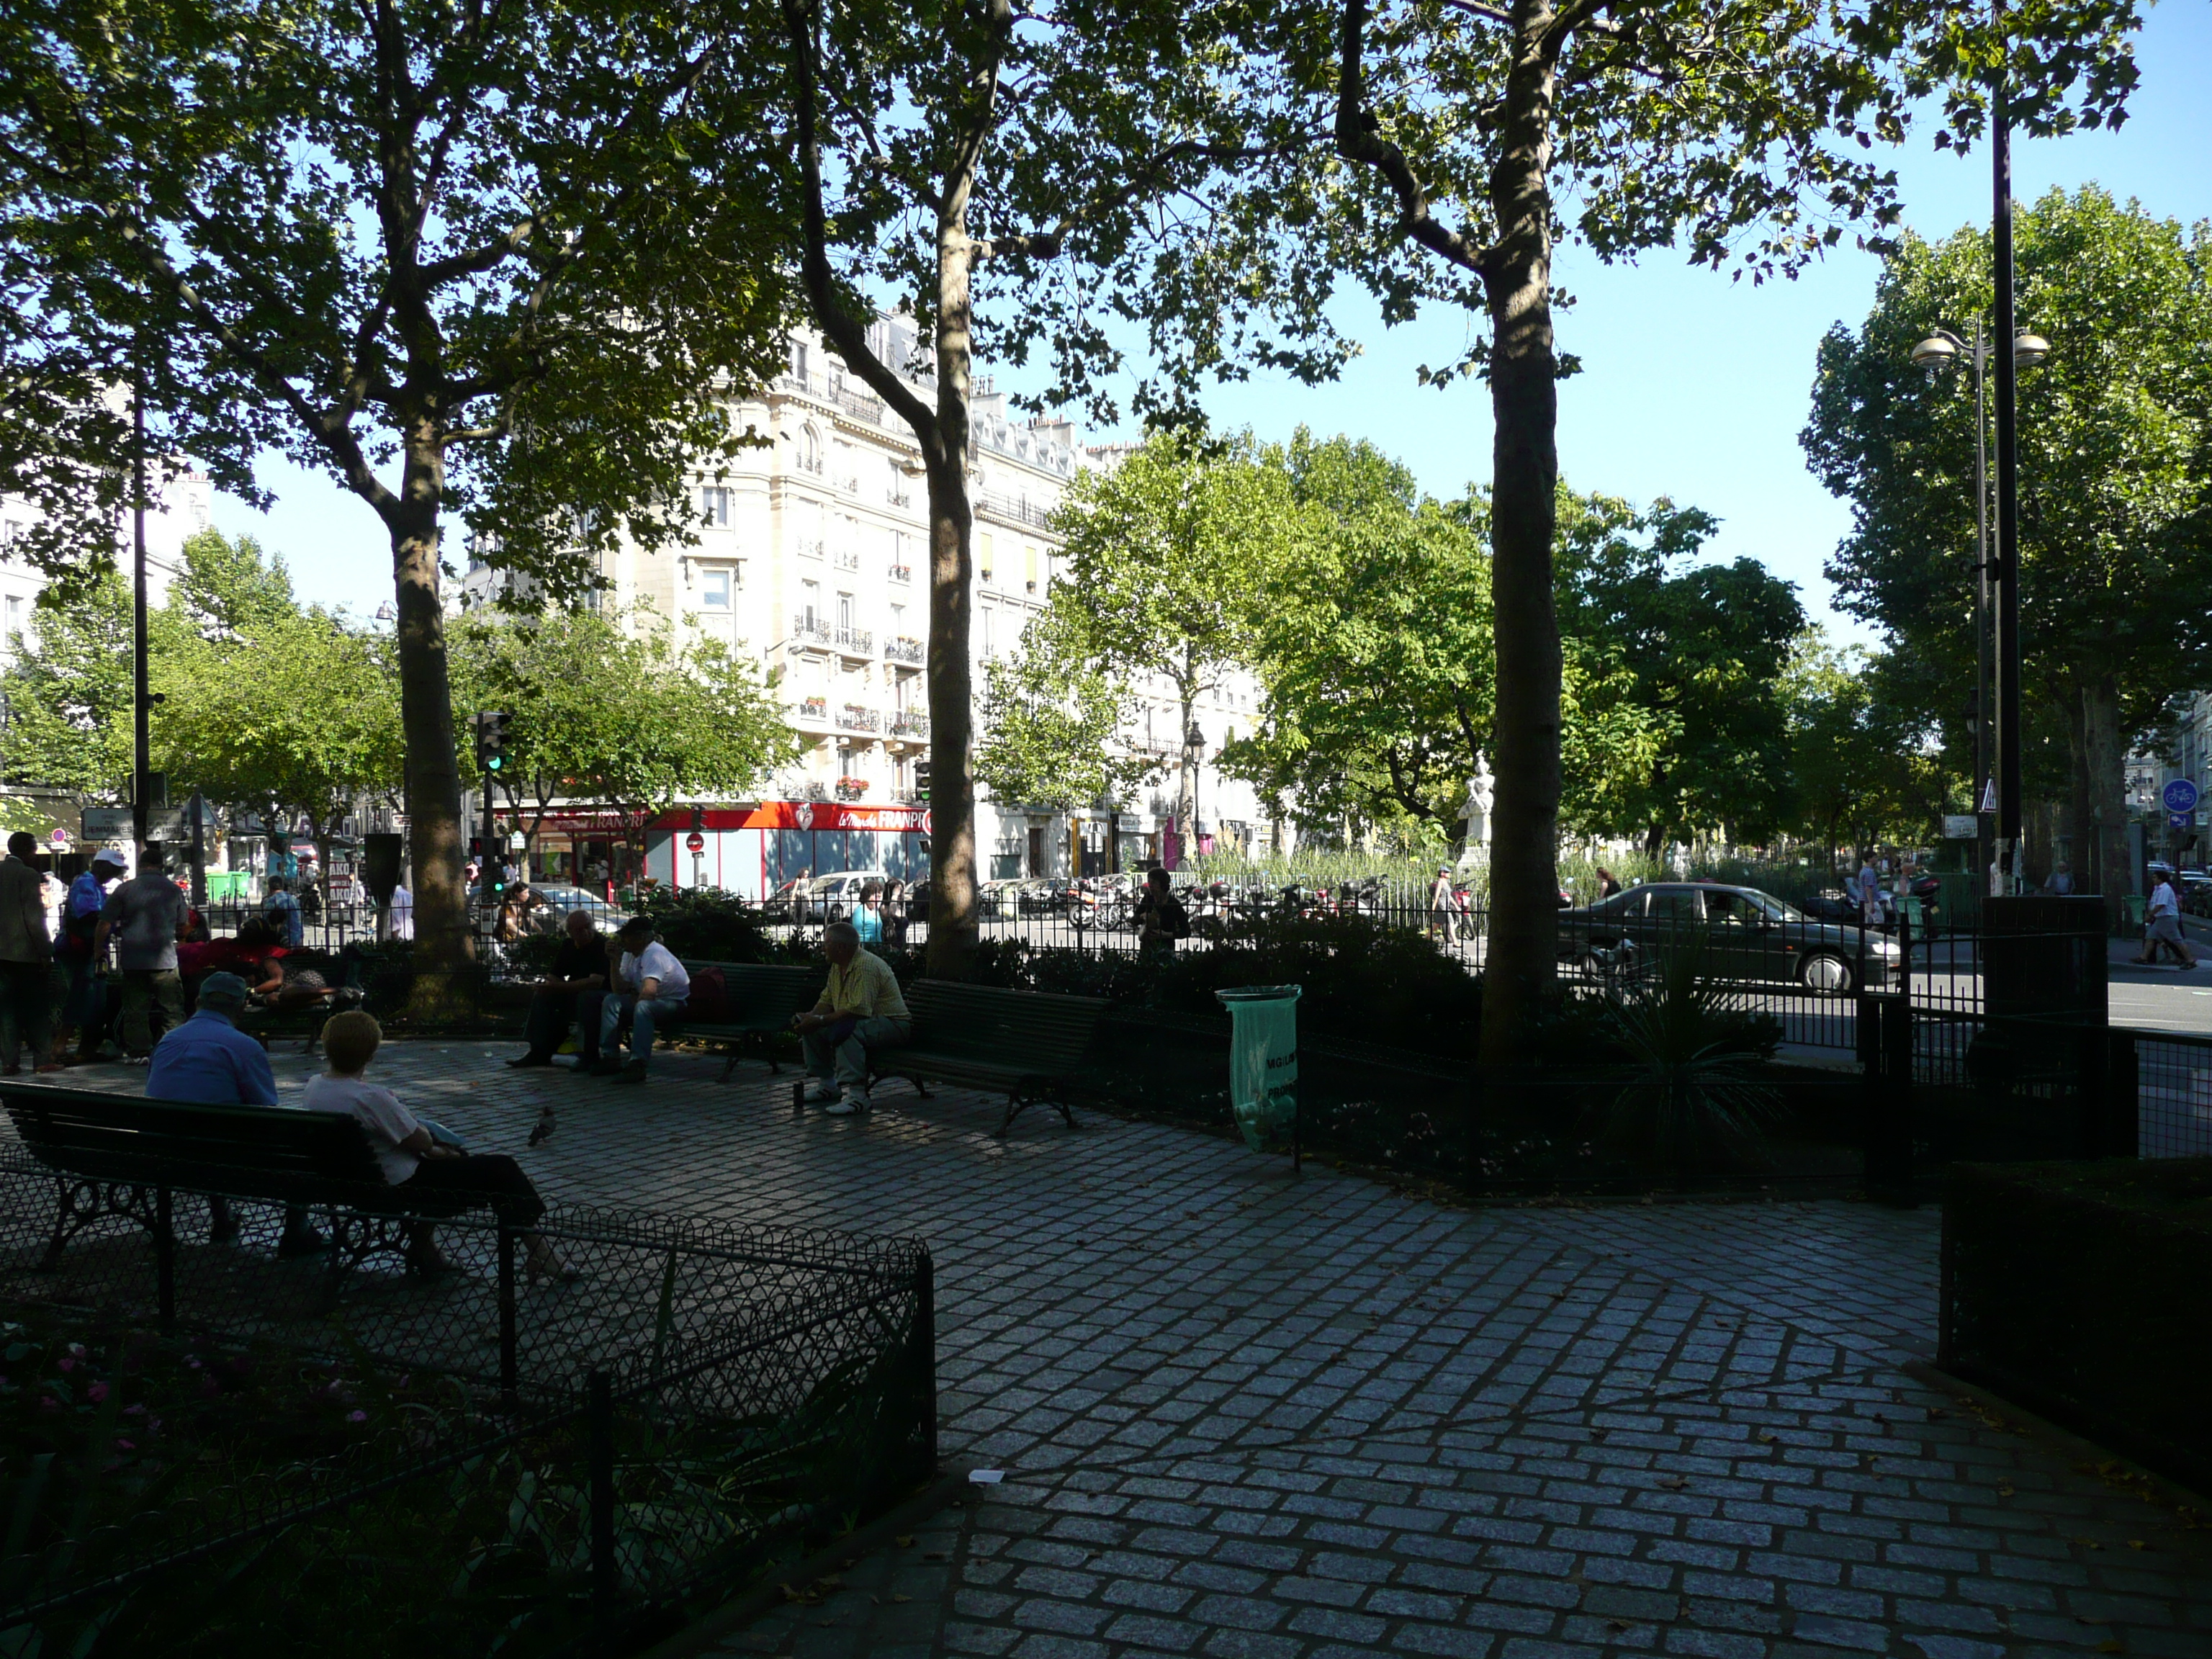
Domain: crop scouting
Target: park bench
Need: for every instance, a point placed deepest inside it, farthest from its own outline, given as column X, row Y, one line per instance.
column 127, row 1156
column 1030, row 1045
column 759, row 1000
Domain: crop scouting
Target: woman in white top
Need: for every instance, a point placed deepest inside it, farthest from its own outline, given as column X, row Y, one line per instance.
column 410, row 1159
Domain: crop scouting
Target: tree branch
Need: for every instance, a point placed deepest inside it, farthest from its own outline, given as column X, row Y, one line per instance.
column 847, row 332
column 1358, row 139
column 1145, row 175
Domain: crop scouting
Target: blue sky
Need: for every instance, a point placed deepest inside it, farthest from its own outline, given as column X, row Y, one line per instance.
column 1693, row 385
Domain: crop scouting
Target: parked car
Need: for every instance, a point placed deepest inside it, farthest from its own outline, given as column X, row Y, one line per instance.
column 563, row 899
column 837, row 895
column 788, row 903
column 1748, row 935
column 1040, row 898
column 999, row 899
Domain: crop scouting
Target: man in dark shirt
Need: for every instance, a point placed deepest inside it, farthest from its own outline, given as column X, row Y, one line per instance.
column 1161, row 918
column 577, row 989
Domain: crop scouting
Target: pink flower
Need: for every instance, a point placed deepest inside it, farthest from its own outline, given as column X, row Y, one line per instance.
column 65, row 1363
column 50, row 1404
column 124, row 1446
column 96, row 1393
column 138, row 1410
column 356, row 1416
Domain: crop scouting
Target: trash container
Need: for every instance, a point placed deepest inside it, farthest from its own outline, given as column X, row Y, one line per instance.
column 1263, row 1062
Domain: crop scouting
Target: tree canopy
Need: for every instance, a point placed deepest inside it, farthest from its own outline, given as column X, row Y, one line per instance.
column 505, row 257
column 2115, row 478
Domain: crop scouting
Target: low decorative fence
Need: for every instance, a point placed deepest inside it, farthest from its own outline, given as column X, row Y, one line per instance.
column 207, row 1449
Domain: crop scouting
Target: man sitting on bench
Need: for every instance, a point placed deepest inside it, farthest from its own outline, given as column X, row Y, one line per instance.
column 575, row 992
column 208, row 1061
column 861, row 1008
column 650, row 985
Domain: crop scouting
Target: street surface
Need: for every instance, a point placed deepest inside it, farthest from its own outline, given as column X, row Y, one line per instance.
column 1248, row 1416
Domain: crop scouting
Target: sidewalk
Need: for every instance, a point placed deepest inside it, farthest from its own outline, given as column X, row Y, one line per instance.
column 1251, row 1417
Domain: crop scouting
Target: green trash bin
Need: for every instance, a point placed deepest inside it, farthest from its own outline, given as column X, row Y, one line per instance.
column 1263, row 1063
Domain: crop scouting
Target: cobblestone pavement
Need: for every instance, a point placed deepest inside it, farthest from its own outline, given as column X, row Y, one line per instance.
column 1251, row 1417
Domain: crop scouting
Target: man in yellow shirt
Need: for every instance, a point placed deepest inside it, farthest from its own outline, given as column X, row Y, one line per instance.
column 860, row 1009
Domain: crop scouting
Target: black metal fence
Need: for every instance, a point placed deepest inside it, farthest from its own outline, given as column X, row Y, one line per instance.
column 362, row 1462
column 2169, row 1074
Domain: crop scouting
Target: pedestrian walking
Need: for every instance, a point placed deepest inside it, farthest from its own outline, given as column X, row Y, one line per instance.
column 283, row 910
column 1869, row 891
column 2164, row 932
column 1443, row 903
column 26, row 957
column 144, row 916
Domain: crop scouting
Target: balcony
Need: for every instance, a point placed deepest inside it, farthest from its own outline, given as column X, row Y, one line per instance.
column 907, row 794
column 808, row 548
column 902, row 573
column 855, row 641
column 899, row 495
column 807, row 629
column 909, row 723
column 852, row 788
column 845, row 558
column 854, row 718
column 813, row 464
column 1013, row 510
column 814, row 709
column 903, row 649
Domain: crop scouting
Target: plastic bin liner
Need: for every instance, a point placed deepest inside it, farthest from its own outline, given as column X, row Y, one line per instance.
column 1263, row 1060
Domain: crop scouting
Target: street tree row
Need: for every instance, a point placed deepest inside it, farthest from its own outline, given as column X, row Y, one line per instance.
column 507, row 259
column 294, row 714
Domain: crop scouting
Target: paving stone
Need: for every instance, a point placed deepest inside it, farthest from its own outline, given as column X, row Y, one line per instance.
column 1232, row 1404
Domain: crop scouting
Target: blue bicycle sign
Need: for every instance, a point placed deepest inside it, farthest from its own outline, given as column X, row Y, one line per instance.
column 2180, row 796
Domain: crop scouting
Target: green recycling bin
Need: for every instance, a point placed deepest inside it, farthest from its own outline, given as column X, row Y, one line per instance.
column 1263, row 1062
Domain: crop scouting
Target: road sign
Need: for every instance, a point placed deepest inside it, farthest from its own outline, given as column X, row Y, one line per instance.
column 1989, row 796
column 60, row 836
column 107, row 824
column 1958, row 826
column 695, row 842
column 2180, row 796
column 2181, row 820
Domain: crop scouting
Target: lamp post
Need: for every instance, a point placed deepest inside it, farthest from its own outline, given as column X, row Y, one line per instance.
column 1939, row 351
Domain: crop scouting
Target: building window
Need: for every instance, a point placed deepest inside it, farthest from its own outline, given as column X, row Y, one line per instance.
column 990, row 631
column 715, row 500
column 810, row 602
column 714, row 584
column 14, row 619
column 798, row 359
column 845, row 611
column 983, row 554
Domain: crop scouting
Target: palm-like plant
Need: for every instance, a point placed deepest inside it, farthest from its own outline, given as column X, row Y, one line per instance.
column 1694, row 1099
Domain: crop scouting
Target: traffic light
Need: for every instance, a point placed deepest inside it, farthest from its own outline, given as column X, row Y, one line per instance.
column 491, row 743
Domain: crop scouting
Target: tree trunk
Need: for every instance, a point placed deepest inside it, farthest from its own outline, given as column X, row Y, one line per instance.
column 1186, row 814
column 952, row 921
column 2107, row 759
column 2081, row 817
column 443, row 949
column 1521, row 963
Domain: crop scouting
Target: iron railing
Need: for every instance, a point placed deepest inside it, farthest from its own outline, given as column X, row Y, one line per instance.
column 854, row 718
column 905, row 723
column 308, row 1437
column 855, row 641
column 904, row 648
column 807, row 628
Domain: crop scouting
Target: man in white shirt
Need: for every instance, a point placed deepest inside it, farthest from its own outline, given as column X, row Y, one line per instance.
column 650, row 988
column 2165, row 929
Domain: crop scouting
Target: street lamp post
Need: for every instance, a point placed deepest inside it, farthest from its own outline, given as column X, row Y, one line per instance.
column 1936, row 354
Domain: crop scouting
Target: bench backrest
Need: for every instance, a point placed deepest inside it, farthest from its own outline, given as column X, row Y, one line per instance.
column 1038, row 1028
column 763, row 989
column 249, row 1150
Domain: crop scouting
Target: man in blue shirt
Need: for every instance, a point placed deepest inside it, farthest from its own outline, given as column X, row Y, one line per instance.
column 208, row 1061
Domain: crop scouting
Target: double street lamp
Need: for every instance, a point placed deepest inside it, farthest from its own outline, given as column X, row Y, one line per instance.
column 1939, row 351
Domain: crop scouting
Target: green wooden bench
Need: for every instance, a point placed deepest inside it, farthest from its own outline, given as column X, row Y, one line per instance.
column 1030, row 1045
column 760, row 999
column 127, row 1156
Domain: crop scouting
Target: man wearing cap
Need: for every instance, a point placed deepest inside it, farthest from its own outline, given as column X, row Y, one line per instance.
column 84, row 1011
column 26, row 955
column 145, row 914
column 650, row 985
column 208, row 1061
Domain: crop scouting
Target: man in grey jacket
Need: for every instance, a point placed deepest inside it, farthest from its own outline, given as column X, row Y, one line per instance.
column 144, row 915
column 27, row 955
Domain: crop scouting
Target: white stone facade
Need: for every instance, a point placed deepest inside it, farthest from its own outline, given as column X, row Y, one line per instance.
column 182, row 507
column 813, row 553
